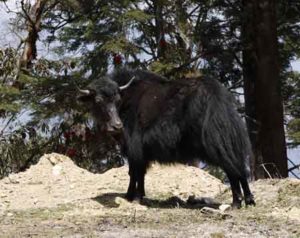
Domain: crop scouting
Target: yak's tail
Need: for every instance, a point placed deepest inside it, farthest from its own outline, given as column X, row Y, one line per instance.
column 224, row 134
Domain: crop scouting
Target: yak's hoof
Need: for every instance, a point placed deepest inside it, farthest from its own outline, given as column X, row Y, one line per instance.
column 129, row 197
column 235, row 205
column 134, row 198
column 249, row 201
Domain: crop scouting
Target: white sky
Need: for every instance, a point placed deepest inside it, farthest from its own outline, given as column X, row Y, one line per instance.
column 7, row 38
column 296, row 65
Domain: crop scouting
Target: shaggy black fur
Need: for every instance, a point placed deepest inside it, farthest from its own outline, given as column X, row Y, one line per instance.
column 178, row 121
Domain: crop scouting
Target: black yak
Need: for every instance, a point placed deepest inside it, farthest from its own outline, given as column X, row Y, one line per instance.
column 172, row 121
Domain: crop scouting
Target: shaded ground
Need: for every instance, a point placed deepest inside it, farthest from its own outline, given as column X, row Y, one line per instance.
column 55, row 198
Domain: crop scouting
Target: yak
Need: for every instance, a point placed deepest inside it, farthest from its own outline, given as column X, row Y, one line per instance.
column 172, row 121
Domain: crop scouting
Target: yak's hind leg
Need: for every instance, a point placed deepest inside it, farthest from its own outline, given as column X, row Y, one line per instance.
column 236, row 182
column 236, row 191
column 248, row 196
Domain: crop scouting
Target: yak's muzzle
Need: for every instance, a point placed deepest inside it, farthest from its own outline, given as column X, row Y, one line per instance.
column 114, row 124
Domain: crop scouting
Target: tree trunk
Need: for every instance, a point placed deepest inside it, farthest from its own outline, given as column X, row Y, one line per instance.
column 263, row 100
column 33, row 21
column 159, row 23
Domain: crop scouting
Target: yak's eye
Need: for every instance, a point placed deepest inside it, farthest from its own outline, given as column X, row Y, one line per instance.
column 117, row 97
column 99, row 99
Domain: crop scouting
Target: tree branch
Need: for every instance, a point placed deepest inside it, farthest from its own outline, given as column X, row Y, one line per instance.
column 171, row 72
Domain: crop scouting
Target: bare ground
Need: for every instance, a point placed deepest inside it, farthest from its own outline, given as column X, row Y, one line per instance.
column 55, row 198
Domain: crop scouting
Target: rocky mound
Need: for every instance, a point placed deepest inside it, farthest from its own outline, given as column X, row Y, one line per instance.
column 57, row 180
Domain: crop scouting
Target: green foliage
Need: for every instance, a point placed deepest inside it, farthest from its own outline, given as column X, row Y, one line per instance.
column 289, row 31
column 161, row 67
column 8, row 96
column 21, row 148
column 293, row 130
column 291, row 95
column 119, row 45
column 9, row 107
column 9, row 92
column 137, row 15
column 216, row 172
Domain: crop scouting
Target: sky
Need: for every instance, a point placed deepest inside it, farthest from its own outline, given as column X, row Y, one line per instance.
column 7, row 38
column 296, row 65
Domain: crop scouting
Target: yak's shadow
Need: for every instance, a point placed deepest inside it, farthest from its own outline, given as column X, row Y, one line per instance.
column 109, row 200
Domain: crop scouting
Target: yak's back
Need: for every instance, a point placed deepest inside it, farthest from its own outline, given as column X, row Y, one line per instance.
column 151, row 101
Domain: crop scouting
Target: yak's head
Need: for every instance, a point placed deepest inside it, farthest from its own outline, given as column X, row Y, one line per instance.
column 102, row 98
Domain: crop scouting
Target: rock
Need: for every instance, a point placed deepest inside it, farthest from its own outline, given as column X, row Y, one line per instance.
column 224, row 207
column 214, row 212
column 55, row 158
column 209, row 210
column 12, row 179
column 56, row 170
column 123, row 203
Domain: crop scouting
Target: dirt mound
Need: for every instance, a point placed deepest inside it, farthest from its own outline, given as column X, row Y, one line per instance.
column 55, row 198
column 57, row 180
column 282, row 196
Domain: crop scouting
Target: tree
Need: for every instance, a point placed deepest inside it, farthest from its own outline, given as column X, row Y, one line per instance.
column 174, row 38
column 263, row 99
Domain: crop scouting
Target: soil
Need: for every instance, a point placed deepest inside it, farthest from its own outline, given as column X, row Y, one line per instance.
column 55, row 198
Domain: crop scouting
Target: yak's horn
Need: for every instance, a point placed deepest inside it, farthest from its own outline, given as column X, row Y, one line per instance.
column 127, row 84
column 85, row 91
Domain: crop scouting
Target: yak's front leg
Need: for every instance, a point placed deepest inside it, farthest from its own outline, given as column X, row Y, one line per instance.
column 141, row 181
column 131, row 191
column 136, row 188
column 137, row 166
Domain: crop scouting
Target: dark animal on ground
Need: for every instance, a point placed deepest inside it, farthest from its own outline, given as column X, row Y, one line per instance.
column 172, row 121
